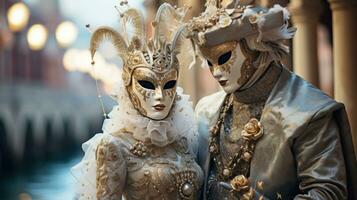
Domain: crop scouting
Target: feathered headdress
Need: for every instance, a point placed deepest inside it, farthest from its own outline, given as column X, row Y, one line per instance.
column 159, row 54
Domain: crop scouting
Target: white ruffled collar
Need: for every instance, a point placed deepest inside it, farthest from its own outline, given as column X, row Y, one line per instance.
column 179, row 123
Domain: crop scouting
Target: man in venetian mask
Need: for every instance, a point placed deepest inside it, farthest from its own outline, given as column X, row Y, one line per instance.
column 269, row 134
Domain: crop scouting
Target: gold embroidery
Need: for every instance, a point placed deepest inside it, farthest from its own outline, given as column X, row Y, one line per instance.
column 102, row 178
column 106, row 153
column 164, row 176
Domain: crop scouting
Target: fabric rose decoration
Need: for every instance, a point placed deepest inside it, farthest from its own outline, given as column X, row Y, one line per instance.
column 240, row 183
column 253, row 130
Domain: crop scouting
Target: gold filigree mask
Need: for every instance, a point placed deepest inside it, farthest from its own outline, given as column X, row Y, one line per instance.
column 153, row 93
column 225, row 62
column 150, row 79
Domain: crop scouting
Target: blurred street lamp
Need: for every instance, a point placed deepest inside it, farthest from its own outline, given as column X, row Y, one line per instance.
column 37, row 37
column 18, row 16
column 66, row 34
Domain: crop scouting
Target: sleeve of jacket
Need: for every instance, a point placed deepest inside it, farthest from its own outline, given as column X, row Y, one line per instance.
column 319, row 160
column 111, row 170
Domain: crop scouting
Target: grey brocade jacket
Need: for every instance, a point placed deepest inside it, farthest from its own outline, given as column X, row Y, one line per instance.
column 306, row 151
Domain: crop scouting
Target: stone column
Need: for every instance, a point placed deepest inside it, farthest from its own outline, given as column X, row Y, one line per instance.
column 344, row 15
column 305, row 15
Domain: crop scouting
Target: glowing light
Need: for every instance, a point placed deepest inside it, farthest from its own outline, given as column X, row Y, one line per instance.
column 18, row 16
column 37, row 37
column 68, row 58
column 66, row 34
column 80, row 60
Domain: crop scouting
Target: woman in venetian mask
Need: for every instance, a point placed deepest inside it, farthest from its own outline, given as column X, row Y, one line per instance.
column 148, row 145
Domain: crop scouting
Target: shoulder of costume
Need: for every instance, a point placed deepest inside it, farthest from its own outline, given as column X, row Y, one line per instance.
column 209, row 105
column 294, row 95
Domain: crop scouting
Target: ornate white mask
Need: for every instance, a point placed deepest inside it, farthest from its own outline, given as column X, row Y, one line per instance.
column 153, row 94
column 228, row 65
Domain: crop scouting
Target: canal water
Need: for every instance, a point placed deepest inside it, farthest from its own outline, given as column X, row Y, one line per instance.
column 48, row 180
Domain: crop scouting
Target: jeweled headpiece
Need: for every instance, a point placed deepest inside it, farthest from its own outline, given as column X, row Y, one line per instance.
column 231, row 20
column 157, row 54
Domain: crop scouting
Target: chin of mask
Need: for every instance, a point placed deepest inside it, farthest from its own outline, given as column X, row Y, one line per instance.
column 153, row 94
column 225, row 62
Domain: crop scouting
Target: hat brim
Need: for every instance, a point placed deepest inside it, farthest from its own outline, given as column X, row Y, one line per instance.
column 242, row 28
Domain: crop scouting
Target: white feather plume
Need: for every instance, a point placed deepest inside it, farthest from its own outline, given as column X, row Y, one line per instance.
column 134, row 26
column 167, row 22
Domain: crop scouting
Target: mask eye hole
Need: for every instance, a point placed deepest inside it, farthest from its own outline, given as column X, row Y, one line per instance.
column 224, row 58
column 209, row 63
column 170, row 84
column 147, row 84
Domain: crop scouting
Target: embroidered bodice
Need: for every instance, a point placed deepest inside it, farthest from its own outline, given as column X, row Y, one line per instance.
column 136, row 170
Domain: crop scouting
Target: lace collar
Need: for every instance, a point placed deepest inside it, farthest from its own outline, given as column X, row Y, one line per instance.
column 179, row 123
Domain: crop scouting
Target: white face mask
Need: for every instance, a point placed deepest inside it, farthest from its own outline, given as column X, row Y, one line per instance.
column 225, row 62
column 152, row 93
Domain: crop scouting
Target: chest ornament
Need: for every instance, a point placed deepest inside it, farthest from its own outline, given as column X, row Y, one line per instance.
column 253, row 130
column 239, row 163
column 139, row 149
column 186, row 184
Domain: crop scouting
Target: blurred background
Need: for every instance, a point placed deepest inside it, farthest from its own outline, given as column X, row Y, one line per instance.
column 48, row 100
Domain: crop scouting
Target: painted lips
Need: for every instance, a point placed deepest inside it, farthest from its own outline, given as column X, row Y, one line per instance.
column 223, row 83
column 159, row 107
